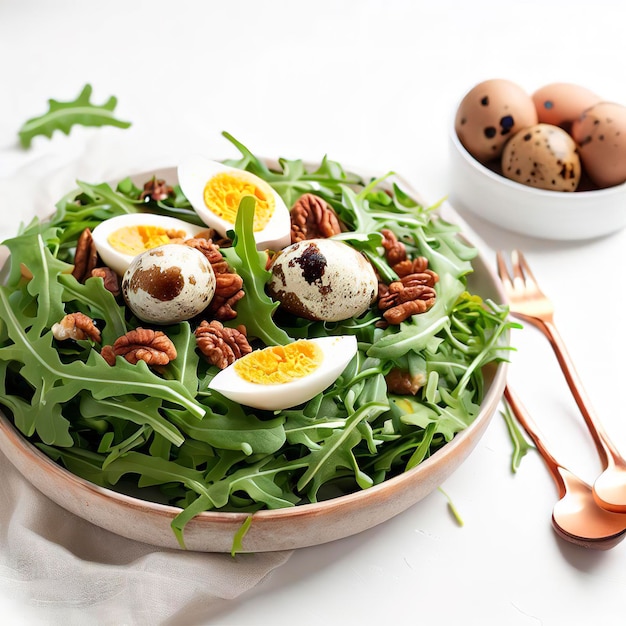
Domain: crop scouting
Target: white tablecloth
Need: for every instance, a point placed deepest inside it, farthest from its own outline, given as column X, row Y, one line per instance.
column 372, row 84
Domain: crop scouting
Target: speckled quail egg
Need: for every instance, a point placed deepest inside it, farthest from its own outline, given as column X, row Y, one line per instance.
column 215, row 191
column 601, row 137
column 168, row 284
column 562, row 103
column 323, row 279
column 279, row 377
column 491, row 113
column 120, row 239
column 542, row 156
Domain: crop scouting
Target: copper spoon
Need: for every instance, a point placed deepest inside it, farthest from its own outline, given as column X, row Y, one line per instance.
column 576, row 517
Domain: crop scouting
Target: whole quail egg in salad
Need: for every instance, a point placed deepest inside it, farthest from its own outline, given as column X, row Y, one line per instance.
column 253, row 374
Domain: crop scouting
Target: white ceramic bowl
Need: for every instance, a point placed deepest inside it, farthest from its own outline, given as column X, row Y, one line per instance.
column 281, row 529
column 536, row 212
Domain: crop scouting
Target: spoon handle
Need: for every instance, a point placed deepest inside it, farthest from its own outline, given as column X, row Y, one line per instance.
column 532, row 429
column 606, row 448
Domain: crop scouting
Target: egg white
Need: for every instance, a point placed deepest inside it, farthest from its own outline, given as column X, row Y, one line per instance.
column 119, row 261
column 196, row 171
column 337, row 353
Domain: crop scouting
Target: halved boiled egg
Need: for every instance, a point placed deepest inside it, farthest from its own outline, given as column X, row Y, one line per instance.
column 120, row 239
column 215, row 191
column 279, row 377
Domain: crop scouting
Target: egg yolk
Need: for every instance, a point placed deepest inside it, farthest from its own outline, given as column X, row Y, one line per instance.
column 280, row 364
column 223, row 193
column 134, row 240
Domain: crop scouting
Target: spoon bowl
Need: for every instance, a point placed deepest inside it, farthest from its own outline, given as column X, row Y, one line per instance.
column 609, row 489
column 576, row 517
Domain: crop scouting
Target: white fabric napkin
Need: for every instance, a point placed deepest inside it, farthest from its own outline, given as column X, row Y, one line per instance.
column 56, row 568
column 59, row 569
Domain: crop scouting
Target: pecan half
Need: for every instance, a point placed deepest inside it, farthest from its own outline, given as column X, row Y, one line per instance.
column 401, row 382
column 411, row 266
column 85, row 257
column 211, row 251
column 420, row 301
column 414, row 291
column 223, row 308
column 395, row 251
column 110, row 278
column 427, row 277
column 228, row 285
column 156, row 189
column 221, row 345
column 141, row 344
column 311, row 218
column 76, row 326
column 406, row 297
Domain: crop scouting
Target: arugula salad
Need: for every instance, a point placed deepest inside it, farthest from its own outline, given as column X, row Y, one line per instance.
column 164, row 430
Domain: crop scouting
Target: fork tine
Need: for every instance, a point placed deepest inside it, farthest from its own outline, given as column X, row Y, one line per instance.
column 503, row 271
column 521, row 266
column 517, row 261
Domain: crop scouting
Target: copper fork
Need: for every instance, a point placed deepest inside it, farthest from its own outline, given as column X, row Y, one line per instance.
column 530, row 304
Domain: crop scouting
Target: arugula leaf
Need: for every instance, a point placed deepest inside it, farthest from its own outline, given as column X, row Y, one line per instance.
column 239, row 535
column 521, row 446
column 184, row 368
column 337, row 452
column 62, row 116
column 160, row 470
column 233, row 429
column 293, row 179
column 56, row 383
column 37, row 260
column 144, row 412
column 93, row 299
column 256, row 309
column 261, row 481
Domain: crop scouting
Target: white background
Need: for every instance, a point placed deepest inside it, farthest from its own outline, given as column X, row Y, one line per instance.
column 372, row 84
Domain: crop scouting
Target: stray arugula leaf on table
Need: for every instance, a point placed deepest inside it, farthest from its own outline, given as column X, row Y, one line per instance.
column 62, row 116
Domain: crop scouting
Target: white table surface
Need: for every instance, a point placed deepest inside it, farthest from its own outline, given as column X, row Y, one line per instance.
column 372, row 84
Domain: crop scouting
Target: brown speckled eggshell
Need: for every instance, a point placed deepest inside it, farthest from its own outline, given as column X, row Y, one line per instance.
column 542, row 156
column 562, row 103
column 168, row 284
column 490, row 114
column 322, row 279
column 601, row 137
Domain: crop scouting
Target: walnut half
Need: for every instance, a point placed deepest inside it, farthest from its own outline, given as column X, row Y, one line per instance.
column 76, row 326
column 221, row 345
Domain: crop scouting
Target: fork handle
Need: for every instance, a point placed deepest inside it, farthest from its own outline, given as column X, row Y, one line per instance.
column 606, row 449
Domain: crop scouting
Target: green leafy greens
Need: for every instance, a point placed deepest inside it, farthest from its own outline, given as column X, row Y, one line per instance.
column 164, row 433
column 62, row 116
